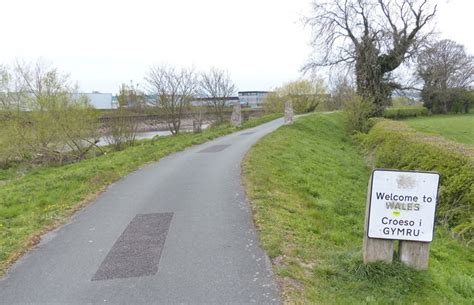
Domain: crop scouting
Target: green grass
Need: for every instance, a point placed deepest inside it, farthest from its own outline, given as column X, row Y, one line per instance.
column 459, row 127
column 33, row 200
column 307, row 183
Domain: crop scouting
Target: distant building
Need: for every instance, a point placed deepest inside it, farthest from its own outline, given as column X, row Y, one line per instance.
column 96, row 99
column 100, row 100
column 204, row 101
column 252, row 99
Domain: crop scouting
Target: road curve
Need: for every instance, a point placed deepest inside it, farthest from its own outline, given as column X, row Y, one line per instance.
column 178, row 231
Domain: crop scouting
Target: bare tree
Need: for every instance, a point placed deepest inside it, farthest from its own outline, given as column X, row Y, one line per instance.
column 446, row 63
column 121, row 126
column 374, row 37
column 217, row 87
column 174, row 90
column 341, row 94
column 446, row 71
column 122, row 129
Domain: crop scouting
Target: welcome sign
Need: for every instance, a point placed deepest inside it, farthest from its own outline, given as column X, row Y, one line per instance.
column 403, row 205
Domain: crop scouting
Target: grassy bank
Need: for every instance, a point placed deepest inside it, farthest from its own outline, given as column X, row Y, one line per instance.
column 33, row 200
column 458, row 127
column 307, row 183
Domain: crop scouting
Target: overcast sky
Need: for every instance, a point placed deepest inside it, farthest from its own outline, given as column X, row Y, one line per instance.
column 101, row 43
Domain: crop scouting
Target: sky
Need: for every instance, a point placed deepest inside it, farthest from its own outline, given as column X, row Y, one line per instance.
column 101, row 43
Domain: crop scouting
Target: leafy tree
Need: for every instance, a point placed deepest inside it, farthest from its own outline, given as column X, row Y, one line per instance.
column 373, row 37
column 305, row 96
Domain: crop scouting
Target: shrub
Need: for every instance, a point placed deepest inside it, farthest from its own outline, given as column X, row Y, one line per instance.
column 44, row 119
column 358, row 111
column 394, row 145
column 404, row 112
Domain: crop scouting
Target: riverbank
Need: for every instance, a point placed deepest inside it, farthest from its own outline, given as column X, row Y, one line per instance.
column 34, row 200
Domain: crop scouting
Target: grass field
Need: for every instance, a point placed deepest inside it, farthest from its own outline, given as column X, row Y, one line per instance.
column 307, row 183
column 34, row 200
column 458, row 127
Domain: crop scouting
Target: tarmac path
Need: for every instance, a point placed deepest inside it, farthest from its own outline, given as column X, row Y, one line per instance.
column 178, row 231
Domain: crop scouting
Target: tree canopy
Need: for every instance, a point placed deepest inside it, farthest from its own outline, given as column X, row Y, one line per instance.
column 305, row 95
column 374, row 37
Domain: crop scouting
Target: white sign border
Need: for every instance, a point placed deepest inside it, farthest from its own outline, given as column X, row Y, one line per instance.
column 402, row 171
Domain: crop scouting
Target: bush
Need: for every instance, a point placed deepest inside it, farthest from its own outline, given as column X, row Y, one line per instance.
column 405, row 112
column 358, row 111
column 121, row 129
column 451, row 100
column 44, row 120
column 394, row 145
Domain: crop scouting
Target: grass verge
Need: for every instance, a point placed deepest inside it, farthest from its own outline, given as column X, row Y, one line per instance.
column 307, row 183
column 459, row 127
column 35, row 200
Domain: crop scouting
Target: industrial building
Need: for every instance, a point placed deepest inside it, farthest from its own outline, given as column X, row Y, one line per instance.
column 251, row 99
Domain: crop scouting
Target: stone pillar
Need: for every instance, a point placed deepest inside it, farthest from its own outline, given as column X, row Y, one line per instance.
column 289, row 114
column 197, row 126
column 236, row 118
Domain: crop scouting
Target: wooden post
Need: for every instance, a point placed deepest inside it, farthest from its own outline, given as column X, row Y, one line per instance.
column 414, row 254
column 375, row 249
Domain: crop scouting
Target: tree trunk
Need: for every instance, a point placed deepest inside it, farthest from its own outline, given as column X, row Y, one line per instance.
column 371, row 83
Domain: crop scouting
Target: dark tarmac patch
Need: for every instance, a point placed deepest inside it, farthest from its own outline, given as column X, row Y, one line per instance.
column 215, row 148
column 247, row 133
column 138, row 250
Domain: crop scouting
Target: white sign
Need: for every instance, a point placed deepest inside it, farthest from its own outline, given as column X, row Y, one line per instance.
column 402, row 205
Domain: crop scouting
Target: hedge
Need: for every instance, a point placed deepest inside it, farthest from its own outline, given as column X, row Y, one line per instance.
column 394, row 145
column 404, row 112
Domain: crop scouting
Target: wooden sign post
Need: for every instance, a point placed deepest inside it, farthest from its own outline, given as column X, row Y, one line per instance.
column 375, row 249
column 401, row 206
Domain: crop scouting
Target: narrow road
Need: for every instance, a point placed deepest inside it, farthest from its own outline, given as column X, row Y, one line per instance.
column 178, row 231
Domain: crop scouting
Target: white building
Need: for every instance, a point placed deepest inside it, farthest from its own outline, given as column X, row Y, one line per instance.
column 205, row 101
column 100, row 100
column 252, row 99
